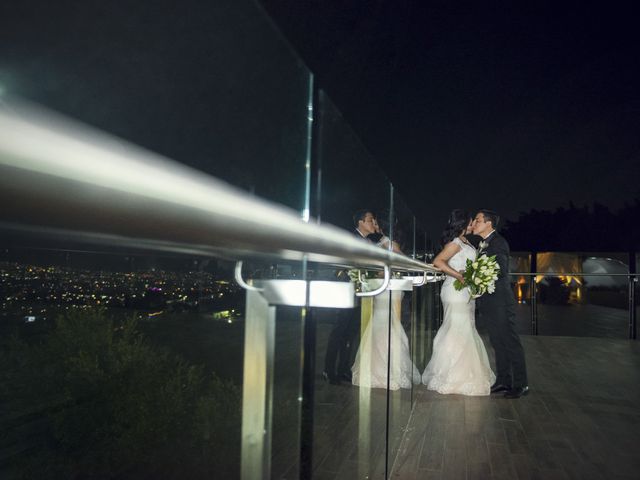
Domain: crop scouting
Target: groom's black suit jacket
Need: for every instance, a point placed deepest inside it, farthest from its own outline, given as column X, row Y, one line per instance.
column 503, row 295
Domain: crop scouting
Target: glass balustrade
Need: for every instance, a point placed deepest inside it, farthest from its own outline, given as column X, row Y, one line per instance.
column 428, row 306
column 350, row 431
column 576, row 294
column 520, row 263
column 584, row 294
column 220, row 91
column 405, row 377
column 129, row 363
column 636, row 300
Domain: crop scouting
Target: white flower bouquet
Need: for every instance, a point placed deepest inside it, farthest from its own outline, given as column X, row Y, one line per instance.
column 480, row 276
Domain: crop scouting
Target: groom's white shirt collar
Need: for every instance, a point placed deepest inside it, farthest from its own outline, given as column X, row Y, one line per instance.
column 488, row 236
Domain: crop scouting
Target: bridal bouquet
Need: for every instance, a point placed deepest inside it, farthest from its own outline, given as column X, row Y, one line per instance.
column 480, row 276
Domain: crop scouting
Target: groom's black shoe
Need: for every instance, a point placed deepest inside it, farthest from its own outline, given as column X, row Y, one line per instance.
column 517, row 392
column 500, row 387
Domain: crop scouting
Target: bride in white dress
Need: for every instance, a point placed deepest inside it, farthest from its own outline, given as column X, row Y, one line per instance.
column 371, row 362
column 459, row 363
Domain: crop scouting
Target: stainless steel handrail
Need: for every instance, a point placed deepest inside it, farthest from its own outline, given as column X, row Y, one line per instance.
column 59, row 176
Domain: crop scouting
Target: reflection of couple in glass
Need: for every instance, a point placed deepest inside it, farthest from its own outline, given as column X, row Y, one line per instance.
column 378, row 315
column 366, row 226
column 343, row 336
column 459, row 363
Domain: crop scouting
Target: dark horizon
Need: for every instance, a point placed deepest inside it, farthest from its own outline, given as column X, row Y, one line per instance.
column 507, row 107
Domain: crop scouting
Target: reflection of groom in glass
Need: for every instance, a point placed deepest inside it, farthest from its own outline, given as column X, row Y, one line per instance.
column 340, row 346
column 365, row 223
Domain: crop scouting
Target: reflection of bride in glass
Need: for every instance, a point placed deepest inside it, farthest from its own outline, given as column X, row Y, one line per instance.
column 371, row 363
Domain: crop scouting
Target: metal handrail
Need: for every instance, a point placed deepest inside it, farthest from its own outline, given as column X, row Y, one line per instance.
column 61, row 177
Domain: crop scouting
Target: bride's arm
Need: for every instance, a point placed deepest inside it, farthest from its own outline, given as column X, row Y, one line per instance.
column 442, row 260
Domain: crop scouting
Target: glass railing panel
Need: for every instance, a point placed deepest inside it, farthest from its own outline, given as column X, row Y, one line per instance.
column 404, row 374
column 427, row 303
column 336, row 415
column 349, row 421
column 145, row 357
column 287, row 397
column 137, row 355
column 351, row 427
column 425, row 249
column 350, row 180
column 427, row 322
column 637, row 292
column 403, row 225
column 572, row 302
column 237, row 110
column 220, row 90
column 521, row 283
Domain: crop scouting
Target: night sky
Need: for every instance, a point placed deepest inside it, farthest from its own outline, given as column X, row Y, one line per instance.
column 509, row 105
column 496, row 106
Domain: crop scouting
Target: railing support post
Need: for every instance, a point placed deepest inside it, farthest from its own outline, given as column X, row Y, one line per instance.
column 308, row 394
column 633, row 280
column 257, row 390
column 533, row 287
column 533, row 291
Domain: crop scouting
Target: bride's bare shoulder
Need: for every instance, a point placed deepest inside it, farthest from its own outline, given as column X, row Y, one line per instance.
column 456, row 241
column 453, row 246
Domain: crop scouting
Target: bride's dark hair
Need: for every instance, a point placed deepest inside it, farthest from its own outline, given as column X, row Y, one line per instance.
column 458, row 221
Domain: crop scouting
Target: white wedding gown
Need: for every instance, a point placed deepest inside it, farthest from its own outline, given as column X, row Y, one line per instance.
column 370, row 367
column 459, row 363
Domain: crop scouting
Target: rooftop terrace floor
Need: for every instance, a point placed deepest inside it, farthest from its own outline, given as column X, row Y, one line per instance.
column 580, row 421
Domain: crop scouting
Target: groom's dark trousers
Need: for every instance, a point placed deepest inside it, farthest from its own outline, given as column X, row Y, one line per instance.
column 498, row 316
column 342, row 343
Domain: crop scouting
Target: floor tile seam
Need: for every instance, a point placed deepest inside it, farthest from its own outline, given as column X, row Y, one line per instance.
column 406, row 429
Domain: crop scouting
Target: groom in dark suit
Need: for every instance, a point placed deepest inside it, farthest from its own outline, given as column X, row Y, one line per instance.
column 498, row 311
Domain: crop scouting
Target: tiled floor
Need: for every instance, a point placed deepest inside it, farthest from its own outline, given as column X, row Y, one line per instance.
column 581, row 420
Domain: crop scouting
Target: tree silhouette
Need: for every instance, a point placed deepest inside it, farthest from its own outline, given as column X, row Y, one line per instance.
column 108, row 404
column 594, row 228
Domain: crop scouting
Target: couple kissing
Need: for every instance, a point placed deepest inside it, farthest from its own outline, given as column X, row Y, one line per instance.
column 459, row 363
